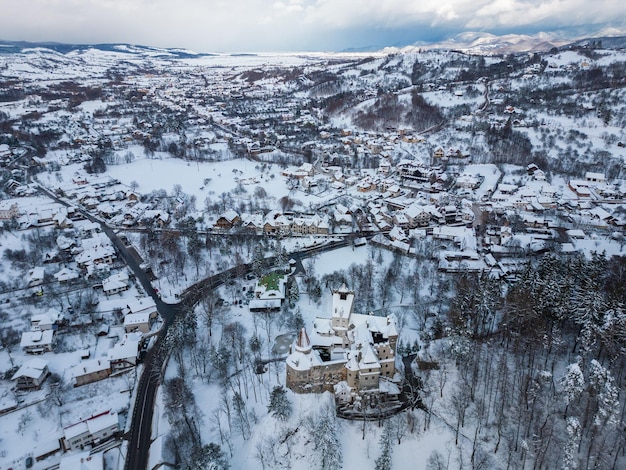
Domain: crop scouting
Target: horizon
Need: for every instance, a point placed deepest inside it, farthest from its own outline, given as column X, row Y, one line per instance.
column 251, row 26
column 558, row 38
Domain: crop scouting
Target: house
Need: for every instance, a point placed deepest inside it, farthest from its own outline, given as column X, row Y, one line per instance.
column 31, row 374
column 137, row 322
column 90, row 371
column 90, row 229
column 91, row 431
column 581, row 188
column 82, row 461
column 115, row 283
column 467, row 181
column 143, row 305
column 96, row 255
column 37, row 342
column 252, row 222
column 269, row 293
column 347, row 349
column 124, row 354
column 413, row 170
column 66, row 275
column 595, row 177
column 9, row 211
column 42, row 322
column 35, row 277
column 397, row 234
column 227, row 220
column 417, row 216
column 62, row 220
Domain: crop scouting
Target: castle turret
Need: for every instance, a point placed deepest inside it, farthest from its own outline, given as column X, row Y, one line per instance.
column 343, row 302
column 303, row 343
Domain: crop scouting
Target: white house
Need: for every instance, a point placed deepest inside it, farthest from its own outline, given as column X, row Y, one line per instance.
column 37, row 342
column 124, row 354
column 137, row 322
column 93, row 430
column 31, row 374
column 115, row 283
column 35, row 276
column 142, row 305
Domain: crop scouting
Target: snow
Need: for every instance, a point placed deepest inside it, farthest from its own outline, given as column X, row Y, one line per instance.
column 209, row 182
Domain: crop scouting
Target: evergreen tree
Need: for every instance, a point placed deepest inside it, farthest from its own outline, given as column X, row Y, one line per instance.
column 383, row 462
column 324, row 434
column 279, row 406
column 209, row 457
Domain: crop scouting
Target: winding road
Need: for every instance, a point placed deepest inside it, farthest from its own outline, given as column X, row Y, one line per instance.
column 139, row 435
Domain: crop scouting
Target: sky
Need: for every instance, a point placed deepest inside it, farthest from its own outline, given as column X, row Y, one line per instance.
column 294, row 25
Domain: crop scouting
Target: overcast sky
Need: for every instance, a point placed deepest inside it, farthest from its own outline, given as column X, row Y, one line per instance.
column 292, row 25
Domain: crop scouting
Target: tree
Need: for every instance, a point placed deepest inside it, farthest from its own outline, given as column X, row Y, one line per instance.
column 293, row 292
column 383, row 462
column 324, row 433
column 573, row 384
column 24, row 421
column 208, row 457
column 436, row 461
column 279, row 406
column 570, row 459
column 241, row 420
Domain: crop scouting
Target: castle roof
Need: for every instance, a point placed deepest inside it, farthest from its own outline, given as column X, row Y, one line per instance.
column 299, row 360
column 303, row 343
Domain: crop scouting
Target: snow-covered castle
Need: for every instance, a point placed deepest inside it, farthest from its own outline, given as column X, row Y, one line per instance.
column 346, row 353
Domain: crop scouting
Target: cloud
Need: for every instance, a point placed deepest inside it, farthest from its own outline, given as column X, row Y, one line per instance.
column 247, row 25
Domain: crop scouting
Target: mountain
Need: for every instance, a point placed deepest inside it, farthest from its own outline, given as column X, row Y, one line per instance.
column 490, row 44
column 13, row 47
column 604, row 42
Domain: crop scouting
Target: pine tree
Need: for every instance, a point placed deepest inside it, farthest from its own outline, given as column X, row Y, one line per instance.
column 209, row 457
column 573, row 383
column 570, row 460
column 383, row 462
column 279, row 406
column 324, row 433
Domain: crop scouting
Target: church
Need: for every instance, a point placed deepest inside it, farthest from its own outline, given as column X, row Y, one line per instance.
column 347, row 353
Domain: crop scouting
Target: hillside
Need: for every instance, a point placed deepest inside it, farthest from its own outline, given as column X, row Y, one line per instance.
column 473, row 203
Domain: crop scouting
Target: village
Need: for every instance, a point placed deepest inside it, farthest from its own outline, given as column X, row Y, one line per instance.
column 200, row 165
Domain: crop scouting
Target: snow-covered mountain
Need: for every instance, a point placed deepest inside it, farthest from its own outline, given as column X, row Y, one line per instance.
column 491, row 44
column 137, row 50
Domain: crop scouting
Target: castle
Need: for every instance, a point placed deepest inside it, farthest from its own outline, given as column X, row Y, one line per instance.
column 347, row 353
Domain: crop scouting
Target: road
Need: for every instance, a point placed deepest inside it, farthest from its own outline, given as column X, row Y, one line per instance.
column 154, row 361
column 139, row 435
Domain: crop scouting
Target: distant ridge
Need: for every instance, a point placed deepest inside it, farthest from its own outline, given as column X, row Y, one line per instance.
column 12, row 47
column 480, row 43
column 605, row 42
column 483, row 43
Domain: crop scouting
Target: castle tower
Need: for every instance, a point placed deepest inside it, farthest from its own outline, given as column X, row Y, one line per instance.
column 343, row 303
column 303, row 343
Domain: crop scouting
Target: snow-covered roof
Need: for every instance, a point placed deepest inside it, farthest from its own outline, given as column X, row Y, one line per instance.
column 142, row 304
column 90, row 366
column 82, row 461
column 36, row 338
column 137, row 318
column 298, row 360
column 127, row 348
column 32, row 368
column 66, row 274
